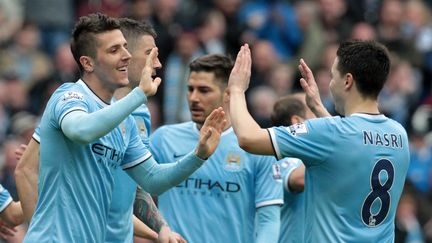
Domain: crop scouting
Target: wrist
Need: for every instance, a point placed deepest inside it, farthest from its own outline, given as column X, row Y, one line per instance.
column 201, row 156
column 236, row 90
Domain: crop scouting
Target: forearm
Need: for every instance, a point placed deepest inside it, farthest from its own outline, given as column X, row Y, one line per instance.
column 145, row 210
column 26, row 178
column 268, row 225
column 85, row 127
column 143, row 231
column 251, row 136
column 156, row 179
column 319, row 110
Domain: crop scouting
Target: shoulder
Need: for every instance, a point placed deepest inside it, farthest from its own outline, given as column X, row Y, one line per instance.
column 186, row 127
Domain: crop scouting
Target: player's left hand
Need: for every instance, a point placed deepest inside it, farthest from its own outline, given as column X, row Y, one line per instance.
column 210, row 133
column 310, row 87
column 241, row 72
column 167, row 236
column 149, row 85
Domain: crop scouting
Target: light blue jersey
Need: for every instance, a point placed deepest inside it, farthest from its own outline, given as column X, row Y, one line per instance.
column 218, row 202
column 76, row 180
column 5, row 198
column 120, row 222
column 293, row 210
column 355, row 172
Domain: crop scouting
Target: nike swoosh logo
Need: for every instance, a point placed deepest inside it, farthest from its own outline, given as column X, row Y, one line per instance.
column 176, row 156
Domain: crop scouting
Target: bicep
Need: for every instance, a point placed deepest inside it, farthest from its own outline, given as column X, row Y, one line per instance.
column 257, row 142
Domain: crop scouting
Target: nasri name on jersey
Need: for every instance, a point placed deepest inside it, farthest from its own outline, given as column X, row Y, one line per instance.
column 382, row 139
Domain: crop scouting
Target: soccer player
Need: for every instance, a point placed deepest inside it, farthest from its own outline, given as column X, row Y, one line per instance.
column 355, row 165
column 218, row 202
column 289, row 110
column 141, row 39
column 91, row 138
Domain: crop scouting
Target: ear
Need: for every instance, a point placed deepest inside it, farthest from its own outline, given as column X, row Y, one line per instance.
column 296, row 119
column 349, row 81
column 226, row 97
column 87, row 63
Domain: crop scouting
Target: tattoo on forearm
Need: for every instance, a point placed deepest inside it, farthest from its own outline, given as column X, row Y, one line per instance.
column 145, row 209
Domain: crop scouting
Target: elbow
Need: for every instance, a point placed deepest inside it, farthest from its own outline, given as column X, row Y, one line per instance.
column 81, row 137
column 152, row 190
column 297, row 185
column 245, row 143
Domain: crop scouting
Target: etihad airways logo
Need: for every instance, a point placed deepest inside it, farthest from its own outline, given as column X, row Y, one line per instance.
column 211, row 185
column 107, row 155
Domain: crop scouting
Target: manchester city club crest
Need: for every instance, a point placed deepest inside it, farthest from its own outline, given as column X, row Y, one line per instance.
column 233, row 161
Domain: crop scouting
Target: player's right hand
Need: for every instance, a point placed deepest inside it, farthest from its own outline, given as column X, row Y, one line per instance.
column 147, row 83
column 210, row 133
column 20, row 151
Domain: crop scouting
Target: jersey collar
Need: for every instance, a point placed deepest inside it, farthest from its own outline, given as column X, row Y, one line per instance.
column 228, row 131
column 370, row 116
column 91, row 93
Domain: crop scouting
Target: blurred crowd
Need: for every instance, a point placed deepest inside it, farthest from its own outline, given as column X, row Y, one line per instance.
column 35, row 59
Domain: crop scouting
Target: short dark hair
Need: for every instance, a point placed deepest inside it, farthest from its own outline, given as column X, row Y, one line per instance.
column 83, row 41
column 218, row 64
column 133, row 30
column 368, row 62
column 285, row 108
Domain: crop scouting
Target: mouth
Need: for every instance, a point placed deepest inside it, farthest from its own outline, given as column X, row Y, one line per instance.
column 196, row 111
column 123, row 69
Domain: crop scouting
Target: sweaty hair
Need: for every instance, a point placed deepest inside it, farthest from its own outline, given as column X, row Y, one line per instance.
column 84, row 41
column 133, row 30
column 285, row 108
column 218, row 64
column 368, row 62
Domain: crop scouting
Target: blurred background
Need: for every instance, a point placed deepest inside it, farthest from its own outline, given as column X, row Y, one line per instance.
column 35, row 59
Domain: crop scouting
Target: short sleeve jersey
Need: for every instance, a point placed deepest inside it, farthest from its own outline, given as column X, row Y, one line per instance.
column 355, row 172
column 76, row 180
column 217, row 203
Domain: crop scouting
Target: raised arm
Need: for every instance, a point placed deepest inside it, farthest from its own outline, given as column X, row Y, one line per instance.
column 155, row 178
column 251, row 136
column 83, row 127
column 310, row 87
column 26, row 178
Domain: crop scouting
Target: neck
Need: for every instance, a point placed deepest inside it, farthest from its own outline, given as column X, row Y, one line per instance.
column 122, row 92
column 361, row 105
column 99, row 88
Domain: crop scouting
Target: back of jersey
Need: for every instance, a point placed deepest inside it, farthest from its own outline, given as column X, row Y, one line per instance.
column 356, row 169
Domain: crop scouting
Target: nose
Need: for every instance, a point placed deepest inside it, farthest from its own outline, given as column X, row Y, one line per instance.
column 193, row 96
column 126, row 54
column 157, row 64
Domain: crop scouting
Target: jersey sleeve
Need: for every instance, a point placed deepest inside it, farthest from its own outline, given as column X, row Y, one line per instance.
column 268, row 189
column 312, row 141
column 288, row 165
column 36, row 134
column 5, row 198
column 66, row 102
column 136, row 152
column 156, row 143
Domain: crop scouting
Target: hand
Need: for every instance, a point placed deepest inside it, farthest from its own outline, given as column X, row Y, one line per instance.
column 6, row 231
column 210, row 133
column 241, row 72
column 147, row 83
column 167, row 236
column 310, row 87
column 20, row 151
